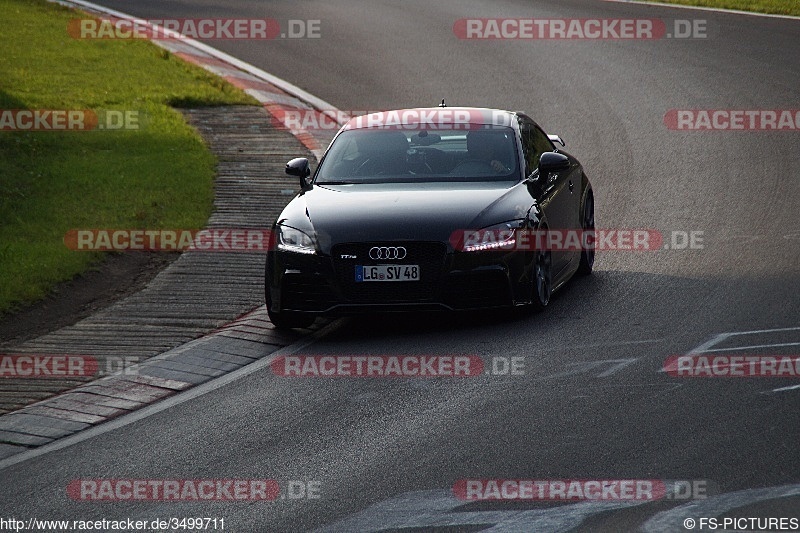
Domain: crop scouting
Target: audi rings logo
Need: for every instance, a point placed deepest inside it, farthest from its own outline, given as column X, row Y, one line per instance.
column 387, row 252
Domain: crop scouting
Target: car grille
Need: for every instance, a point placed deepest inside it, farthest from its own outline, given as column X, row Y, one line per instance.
column 468, row 290
column 430, row 257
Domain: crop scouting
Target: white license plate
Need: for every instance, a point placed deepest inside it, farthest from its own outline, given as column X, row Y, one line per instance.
column 387, row 273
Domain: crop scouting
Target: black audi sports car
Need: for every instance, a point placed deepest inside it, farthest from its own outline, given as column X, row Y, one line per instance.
column 424, row 209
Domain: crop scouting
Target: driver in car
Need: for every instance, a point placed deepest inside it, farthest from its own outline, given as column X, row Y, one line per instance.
column 482, row 146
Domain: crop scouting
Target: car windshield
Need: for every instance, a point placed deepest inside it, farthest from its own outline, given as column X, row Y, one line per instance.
column 374, row 155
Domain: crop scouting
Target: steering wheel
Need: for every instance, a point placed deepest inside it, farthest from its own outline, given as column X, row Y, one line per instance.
column 421, row 167
column 362, row 168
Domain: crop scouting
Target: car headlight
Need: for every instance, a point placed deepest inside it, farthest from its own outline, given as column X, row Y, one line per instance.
column 294, row 240
column 497, row 237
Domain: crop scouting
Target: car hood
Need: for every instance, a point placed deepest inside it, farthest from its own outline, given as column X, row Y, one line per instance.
column 403, row 211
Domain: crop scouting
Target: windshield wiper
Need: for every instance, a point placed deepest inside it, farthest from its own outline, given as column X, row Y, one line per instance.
column 335, row 182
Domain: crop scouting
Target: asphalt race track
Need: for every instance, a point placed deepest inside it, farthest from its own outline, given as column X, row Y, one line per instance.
column 592, row 401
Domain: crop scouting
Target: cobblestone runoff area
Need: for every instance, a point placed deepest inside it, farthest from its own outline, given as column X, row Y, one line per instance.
column 201, row 317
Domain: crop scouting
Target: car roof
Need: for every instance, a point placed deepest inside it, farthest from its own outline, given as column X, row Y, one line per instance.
column 443, row 117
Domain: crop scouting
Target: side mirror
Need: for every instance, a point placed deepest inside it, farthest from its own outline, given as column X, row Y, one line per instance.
column 552, row 162
column 299, row 167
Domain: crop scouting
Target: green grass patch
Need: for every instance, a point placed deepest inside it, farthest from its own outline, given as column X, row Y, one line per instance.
column 159, row 176
column 775, row 7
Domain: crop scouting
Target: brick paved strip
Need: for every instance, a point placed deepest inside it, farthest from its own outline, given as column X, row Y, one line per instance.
column 197, row 319
column 39, row 425
column 64, row 414
column 94, row 399
column 141, row 395
column 67, row 402
column 7, row 450
column 19, row 440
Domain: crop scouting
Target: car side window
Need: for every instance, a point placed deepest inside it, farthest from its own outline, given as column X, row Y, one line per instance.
column 528, row 148
column 541, row 142
column 534, row 144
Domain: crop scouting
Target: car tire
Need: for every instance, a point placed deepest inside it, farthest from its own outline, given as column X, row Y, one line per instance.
column 587, row 225
column 287, row 319
column 542, row 285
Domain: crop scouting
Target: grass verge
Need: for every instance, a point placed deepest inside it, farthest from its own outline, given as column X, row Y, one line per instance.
column 775, row 7
column 158, row 176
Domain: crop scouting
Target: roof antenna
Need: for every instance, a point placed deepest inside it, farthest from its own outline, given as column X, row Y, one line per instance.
column 442, row 104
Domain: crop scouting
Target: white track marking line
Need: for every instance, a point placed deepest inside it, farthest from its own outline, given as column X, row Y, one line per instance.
column 753, row 347
column 169, row 402
column 782, row 389
column 314, row 101
column 755, row 331
column 706, row 346
column 247, row 67
column 212, row 385
column 716, row 339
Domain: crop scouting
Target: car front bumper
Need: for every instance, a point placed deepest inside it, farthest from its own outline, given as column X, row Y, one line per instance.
column 326, row 285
